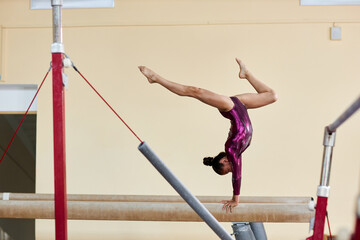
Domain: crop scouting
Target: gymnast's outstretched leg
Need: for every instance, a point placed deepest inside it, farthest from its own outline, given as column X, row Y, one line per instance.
column 264, row 96
column 223, row 103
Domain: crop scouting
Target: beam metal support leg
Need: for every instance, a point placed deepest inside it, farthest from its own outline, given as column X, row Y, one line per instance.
column 258, row 230
column 242, row 231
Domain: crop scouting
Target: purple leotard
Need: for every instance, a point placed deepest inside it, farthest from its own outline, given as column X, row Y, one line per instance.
column 238, row 140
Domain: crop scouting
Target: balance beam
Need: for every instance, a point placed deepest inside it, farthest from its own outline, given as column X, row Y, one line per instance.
column 152, row 198
column 156, row 211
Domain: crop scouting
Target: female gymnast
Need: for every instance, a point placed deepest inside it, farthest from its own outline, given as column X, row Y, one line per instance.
column 233, row 108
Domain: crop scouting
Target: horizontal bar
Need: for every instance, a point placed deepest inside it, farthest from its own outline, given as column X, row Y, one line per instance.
column 343, row 117
column 156, row 211
column 151, row 198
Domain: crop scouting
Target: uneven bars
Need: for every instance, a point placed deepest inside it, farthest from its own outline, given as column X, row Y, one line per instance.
column 324, row 188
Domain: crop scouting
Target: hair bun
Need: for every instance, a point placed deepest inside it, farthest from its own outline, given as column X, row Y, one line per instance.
column 208, row 161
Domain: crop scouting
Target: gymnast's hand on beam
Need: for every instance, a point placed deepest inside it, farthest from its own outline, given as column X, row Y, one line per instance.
column 230, row 204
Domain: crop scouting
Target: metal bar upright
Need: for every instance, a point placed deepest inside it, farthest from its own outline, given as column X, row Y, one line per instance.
column 194, row 203
column 324, row 188
column 57, row 50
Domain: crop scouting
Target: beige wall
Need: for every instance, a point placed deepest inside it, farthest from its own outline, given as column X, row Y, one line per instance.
column 193, row 42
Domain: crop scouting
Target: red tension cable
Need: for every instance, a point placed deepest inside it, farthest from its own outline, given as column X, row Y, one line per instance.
column 22, row 120
column 328, row 222
column 107, row 104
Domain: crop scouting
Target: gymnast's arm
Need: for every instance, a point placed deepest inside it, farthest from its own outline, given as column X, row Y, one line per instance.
column 236, row 182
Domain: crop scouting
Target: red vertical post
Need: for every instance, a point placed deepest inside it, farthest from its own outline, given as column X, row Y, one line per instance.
column 59, row 147
column 57, row 49
column 356, row 234
column 320, row 216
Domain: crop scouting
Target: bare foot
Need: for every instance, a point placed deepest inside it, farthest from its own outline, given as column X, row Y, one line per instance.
column 149, row 74
column 243, row 69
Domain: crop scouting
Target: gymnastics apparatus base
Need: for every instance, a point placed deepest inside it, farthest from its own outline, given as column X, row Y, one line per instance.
column 155, row 208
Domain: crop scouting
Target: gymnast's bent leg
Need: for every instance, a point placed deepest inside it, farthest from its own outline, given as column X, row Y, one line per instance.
column 264, row 96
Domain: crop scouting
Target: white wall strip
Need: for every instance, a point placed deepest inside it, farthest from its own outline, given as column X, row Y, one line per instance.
column 17, row 97
column 46, row 4
column 329, row 2
column 6, row 196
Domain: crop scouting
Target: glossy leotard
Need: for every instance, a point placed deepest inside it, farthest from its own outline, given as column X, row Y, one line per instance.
column 238, row 140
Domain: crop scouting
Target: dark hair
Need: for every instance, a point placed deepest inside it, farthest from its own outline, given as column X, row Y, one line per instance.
column 215, row 162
